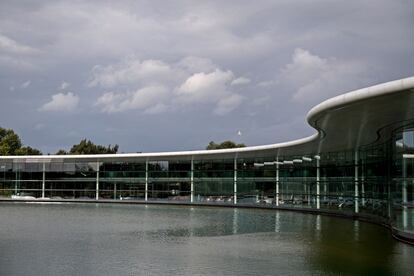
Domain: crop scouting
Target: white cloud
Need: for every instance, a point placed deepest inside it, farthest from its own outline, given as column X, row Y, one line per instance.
column 131, row 71
column 61, row 102
column 240, row 81
column 64, row 85
column 228, row 104
column 109, row 102
column 25, row 84
column 205, row 87
column 313, row 78
column 16, row 56
column 161, row 86
column 11, row 46
column 210, row 88
column 148, row 99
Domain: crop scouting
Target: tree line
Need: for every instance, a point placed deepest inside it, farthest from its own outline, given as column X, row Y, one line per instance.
column 224, row 145
column 11, row 144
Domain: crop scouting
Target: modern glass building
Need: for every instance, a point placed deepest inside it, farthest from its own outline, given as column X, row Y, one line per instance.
column 359, row 163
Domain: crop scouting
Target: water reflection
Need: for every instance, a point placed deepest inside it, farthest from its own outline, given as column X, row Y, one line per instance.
column 356, row 230
column 277, row 221
column 235, row 221
column 318, row 227
column 169, row 240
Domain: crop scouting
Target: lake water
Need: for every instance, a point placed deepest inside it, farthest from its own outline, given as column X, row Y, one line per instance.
column 111, row 239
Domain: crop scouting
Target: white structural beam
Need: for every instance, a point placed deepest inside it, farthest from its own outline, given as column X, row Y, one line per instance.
column 43, row 179
column 16, row 181
column 146, row 180
column 356, row 183
column 277, row 182
column 97, row 181
column 235, row 181
column 192, row 181
column 362, row 184
column 318, row 180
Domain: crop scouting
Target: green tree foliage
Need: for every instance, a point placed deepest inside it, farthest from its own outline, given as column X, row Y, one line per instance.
column 10, row 144
column 28, row 151
column 224, row 145
column 61, row 152
column 87, row 147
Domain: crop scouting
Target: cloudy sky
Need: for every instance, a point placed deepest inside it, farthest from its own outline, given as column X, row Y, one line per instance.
column 174, row 75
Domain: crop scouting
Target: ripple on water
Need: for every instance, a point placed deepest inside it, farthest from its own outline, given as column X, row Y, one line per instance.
column 110, row 239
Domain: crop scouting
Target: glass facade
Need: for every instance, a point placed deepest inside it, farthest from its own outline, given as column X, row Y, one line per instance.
column 375, row 181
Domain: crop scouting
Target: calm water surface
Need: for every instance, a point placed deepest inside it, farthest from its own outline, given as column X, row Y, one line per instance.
column 110, row 239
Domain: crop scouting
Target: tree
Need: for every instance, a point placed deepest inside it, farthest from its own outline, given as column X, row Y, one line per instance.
column 27, row 151
column 224, row 145
column 87, row 147
column 10, row 144
column 61, row 152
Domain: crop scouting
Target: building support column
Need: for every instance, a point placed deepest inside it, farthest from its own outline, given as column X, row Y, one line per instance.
column 146, row 180
column 308, row 186
column 17, row 181
column 97, row 181
column 277, row 181
column 43, row 179
column 404, row 194
column 318, row 178
column 192, row 181
column 356, row 183
column 362, row 184
column 235, row 181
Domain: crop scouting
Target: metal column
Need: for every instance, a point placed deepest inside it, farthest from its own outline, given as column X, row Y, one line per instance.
column 356, row 183
column 146, row 180
column 192, row 181
column 235, row 181
column 97, row 181
column 43, row 179
column 277, row 182
column 318, row 176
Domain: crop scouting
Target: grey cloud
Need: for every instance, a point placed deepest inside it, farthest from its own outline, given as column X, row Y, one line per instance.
column 11, row 46
column 134, row 45
column 160, row 86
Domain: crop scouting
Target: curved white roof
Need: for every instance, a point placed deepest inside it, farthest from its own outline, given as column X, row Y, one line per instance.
column 344, row 122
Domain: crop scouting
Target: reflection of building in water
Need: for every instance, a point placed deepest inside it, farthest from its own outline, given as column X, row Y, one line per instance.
column 235, row 221
column 277, row 222
column 356, row 230
column 359, row 163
